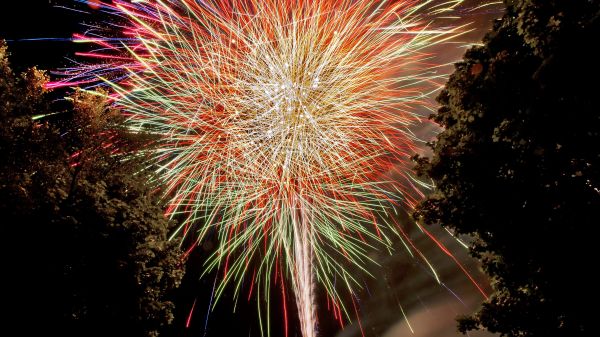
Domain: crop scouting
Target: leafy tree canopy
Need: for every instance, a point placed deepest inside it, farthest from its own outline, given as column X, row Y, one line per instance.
column 85, row 242
column 517, row 165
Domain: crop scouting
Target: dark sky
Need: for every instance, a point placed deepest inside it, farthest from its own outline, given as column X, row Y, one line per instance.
column 402, row 281
column 29, row 19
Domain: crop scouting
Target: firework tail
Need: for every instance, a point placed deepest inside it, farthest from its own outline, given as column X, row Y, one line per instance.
column 303, row 278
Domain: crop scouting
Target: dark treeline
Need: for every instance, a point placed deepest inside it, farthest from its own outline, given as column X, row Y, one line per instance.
column 84, row 240
column 518, row 165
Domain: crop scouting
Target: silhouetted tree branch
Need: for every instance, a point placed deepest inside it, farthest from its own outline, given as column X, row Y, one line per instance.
column 85, row 241
column 518, row 165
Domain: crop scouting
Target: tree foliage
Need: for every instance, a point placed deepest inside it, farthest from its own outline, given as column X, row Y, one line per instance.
column 517, row 165
column 86, row 246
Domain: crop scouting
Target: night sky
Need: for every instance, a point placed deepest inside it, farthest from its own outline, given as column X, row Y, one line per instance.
column 402, row 282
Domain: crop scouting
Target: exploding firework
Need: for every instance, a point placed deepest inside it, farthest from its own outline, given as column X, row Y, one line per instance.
column 284, row 127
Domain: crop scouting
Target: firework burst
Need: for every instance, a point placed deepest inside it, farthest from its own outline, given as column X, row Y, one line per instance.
column 281, row 123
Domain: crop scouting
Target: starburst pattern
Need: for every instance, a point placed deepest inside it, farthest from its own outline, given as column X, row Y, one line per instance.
column 281, row 125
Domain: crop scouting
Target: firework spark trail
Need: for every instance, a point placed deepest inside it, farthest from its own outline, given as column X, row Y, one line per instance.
column 280, row 125
column 303, row 283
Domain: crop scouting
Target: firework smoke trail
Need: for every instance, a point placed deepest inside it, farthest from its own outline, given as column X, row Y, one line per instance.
column 280, row 125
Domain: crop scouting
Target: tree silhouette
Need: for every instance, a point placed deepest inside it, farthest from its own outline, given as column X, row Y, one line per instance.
column 517, row 166
column 86, row 250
